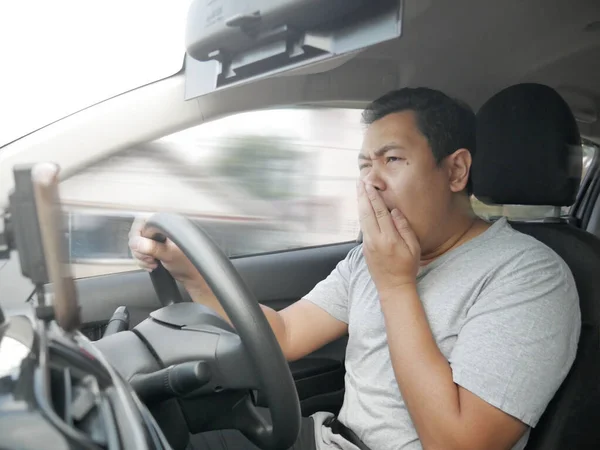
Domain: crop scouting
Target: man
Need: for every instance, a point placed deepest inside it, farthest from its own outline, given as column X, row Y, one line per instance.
column 460, row 331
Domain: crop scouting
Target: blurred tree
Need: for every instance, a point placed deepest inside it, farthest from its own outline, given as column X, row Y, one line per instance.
column 265, row 165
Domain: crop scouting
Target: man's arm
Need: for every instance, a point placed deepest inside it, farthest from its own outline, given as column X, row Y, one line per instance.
column 446, row 416
column 300, row 329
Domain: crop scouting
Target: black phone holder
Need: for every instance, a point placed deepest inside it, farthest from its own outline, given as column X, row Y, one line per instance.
column 20, row 231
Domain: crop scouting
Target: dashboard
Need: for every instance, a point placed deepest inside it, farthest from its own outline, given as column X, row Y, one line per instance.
column 60, row 389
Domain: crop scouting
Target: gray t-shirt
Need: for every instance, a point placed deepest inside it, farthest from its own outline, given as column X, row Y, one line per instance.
column 504, row 311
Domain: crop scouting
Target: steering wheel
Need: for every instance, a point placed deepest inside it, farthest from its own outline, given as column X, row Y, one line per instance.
column 265, row 355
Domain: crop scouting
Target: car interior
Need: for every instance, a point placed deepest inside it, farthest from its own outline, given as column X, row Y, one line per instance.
column 531, row 71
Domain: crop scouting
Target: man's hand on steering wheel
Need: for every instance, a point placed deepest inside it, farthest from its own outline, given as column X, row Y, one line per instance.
column 147, row 252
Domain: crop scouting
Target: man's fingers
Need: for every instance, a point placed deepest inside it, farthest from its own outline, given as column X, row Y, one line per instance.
column 406, row 232
column 143, row 257
column 144, row 261
column 137, row 226
column 147, row 267
column 382, row 214
column 366, row 215
column 147, row 247
column 145, row 251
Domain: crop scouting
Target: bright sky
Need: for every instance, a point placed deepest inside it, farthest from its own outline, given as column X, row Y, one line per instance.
column 59, row 56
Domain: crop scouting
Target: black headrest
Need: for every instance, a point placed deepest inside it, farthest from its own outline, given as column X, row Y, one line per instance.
column 528, row 148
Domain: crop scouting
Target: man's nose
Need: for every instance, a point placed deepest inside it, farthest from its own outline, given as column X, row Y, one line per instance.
column 374, row 178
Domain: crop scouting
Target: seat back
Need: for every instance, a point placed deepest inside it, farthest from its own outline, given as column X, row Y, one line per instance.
column 529, row 153
column 572, row 419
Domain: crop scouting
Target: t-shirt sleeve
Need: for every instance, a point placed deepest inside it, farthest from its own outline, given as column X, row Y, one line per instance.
column 331, row 294
column 520, row 337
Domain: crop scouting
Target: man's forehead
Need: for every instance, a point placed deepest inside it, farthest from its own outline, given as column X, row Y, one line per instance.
column 390, row 132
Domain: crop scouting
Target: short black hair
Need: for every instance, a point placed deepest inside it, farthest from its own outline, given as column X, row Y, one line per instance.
column 447, row 123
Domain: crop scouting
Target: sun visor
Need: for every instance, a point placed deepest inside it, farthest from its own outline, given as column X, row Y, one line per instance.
column 229, row 42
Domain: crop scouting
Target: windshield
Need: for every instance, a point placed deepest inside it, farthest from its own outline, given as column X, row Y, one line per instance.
column 62, row 56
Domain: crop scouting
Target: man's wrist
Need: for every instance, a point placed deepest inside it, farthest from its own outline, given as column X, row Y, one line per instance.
column 398, row 292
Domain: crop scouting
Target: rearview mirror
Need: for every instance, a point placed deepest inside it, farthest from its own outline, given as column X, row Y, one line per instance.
column 229, row 42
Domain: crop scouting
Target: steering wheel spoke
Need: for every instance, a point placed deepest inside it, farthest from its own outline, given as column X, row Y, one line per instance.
column 164, row 284
column 252, row 424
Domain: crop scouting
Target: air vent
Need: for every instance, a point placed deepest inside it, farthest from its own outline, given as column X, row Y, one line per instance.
column 77, row 401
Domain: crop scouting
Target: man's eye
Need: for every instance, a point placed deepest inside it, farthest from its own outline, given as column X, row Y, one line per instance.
column 390, row 159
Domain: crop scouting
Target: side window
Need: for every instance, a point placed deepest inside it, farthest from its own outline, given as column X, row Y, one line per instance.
column 256, row 182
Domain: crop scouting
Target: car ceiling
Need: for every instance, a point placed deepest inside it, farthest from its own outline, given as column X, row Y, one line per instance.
column 472, row 48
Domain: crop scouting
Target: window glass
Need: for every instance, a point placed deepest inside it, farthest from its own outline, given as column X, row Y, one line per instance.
column 99, row 49
column 257, row 182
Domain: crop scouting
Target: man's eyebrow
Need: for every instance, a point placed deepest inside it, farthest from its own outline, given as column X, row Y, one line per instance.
column 381, row 151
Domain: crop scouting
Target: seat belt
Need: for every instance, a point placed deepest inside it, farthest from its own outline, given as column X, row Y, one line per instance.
column 338, row 427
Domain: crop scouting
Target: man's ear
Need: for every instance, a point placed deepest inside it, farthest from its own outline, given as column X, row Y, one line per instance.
column 458, row 165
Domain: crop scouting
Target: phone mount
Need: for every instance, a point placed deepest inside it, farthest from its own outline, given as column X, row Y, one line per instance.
column 32, row 226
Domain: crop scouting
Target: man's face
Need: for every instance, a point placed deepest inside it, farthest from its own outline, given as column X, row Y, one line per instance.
column 397, row 160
